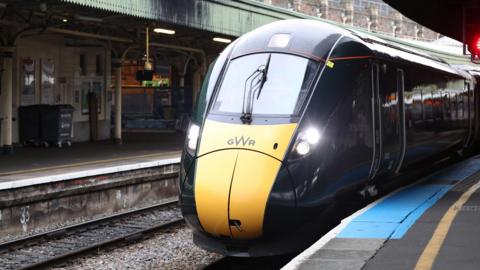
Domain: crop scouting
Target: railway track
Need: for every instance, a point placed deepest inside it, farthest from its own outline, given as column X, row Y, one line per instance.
column 50, row 247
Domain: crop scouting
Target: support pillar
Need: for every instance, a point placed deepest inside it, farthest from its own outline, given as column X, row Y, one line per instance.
column 196, row 83
column 7, row 99
column 117, row 136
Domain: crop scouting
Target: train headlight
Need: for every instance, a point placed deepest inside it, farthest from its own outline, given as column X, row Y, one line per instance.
column 311, row 135
column 306, row 140
column 303, row 148
column 192, row 138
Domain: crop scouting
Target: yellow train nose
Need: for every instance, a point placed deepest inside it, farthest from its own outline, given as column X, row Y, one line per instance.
column 231, row 192
column 236, row 169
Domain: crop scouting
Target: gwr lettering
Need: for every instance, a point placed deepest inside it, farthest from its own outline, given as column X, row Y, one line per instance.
column 241, row 141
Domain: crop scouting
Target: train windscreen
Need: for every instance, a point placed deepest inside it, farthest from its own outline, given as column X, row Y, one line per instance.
column 266, row 84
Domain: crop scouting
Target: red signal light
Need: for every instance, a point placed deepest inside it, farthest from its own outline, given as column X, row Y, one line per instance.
column 474, row 48
column 474, row 45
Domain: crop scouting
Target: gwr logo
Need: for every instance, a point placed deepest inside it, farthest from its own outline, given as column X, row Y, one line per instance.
column 241, row 141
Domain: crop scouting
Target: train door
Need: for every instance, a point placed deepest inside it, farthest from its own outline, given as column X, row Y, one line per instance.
column 476, row 113
column 376, row 120
column 401, row 114
column 470, row 109
column 390, row 126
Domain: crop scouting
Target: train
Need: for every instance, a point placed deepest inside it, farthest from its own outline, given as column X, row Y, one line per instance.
column 296, row 114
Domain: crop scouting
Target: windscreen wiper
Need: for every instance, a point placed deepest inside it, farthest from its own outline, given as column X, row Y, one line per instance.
column 254, row 83
column 257, row 80
column 262, row 81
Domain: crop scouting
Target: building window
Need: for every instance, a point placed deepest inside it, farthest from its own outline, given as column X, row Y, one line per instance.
column 83, row 64
column 99, row 65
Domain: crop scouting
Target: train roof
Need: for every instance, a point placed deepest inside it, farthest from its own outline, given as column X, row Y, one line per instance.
column 383, row 48
column 314, row 39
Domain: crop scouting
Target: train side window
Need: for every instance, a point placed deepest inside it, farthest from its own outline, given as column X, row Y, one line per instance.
column 417, row 108
column 427, row 104
column 437, row 105
column 416, row 103
column 471, row 103
column 460, row 106
column 454, row 106
column 446, row 106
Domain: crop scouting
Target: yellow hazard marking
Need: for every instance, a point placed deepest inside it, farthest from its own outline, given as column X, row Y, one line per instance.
column 430, row 253
column 330, row 64
column 86, row 163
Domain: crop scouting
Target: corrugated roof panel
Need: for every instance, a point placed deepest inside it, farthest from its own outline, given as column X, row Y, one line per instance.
column 222, row 16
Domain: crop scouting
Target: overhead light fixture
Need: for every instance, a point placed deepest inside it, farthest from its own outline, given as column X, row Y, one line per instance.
column 164, row 31
column 222, row 40
column 65, row 20
column 88, row 18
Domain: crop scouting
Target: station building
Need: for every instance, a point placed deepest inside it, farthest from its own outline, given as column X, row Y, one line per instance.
column 89, row 54
column 82, row 52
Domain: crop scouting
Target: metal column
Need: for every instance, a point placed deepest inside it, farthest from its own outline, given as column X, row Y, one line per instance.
column 7, row 99
column 117, row 64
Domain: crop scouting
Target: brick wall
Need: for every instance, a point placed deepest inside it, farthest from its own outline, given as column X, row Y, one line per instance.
column 373, row 15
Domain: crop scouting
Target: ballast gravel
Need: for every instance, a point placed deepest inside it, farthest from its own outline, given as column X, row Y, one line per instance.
column 163, row 250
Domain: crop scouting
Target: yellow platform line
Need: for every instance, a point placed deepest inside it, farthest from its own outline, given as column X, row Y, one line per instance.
column 93, row 162
column 430, row 253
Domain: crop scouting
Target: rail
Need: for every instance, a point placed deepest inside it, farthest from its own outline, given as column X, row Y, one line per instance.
column 50, row 247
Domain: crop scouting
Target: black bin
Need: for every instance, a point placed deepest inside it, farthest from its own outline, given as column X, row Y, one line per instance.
column 29, row 123
column 56, row 125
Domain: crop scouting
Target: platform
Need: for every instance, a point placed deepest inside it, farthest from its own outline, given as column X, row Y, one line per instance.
column 44, row 188
column 432, row 224
column 29, row 165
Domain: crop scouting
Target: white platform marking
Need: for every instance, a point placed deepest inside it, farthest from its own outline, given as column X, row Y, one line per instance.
column 86, row 173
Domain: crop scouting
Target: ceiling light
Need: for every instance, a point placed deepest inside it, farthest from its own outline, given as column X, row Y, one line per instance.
column 64, row 20
column 88, row 18
column 164, row 31
column 222, row 40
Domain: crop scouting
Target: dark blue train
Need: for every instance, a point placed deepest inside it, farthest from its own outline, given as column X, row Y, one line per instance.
column 298, row 112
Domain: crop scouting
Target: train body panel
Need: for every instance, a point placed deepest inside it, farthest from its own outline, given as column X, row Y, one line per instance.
column 236, row 168
column 297, row 115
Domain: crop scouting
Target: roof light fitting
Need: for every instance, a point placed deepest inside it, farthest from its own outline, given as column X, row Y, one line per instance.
column 88, row 18
column 164, row 31
column 222, row 40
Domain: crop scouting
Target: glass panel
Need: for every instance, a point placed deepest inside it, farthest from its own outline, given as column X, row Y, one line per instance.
column 287, row 84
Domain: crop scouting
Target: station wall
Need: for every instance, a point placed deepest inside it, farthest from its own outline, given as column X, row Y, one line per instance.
column 77, row 67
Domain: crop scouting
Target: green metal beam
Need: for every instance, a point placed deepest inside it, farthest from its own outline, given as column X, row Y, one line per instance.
column 227, row 17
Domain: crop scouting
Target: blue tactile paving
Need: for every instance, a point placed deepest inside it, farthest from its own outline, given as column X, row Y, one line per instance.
column 460, row 171
column 392, row 217
column 395, row 212
column 408, row 222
